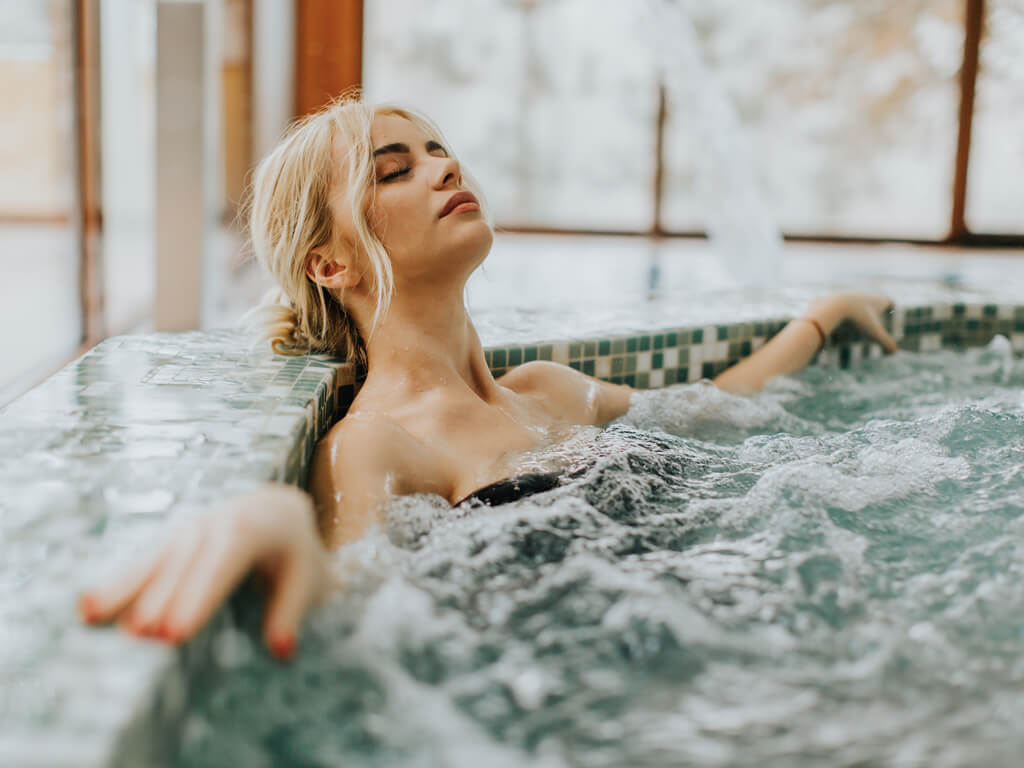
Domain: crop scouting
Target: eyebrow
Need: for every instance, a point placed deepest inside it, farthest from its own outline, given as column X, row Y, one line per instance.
column 404, row 148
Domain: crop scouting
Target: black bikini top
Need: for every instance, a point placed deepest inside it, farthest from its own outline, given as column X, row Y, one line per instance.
column 513, row 488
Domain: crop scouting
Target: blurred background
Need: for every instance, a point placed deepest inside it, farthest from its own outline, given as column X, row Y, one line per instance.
column 130, row 128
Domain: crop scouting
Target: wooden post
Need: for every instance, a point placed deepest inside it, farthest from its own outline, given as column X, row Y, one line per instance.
column 328, row 51
column 968, row 78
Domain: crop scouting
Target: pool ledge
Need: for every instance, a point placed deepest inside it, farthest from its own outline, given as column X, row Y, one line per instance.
column 95, row 458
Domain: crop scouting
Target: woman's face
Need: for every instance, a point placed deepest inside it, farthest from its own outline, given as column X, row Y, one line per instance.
column 415, row 181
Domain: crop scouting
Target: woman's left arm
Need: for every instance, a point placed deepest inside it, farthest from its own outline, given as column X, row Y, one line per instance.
column 794, row 346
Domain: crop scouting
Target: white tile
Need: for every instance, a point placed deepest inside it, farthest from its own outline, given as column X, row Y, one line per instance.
column 657, row 379
column 560, row 352
column 1005, row 311
column 694, row 373
column 974, row 310
column 696, row 356
column 671, row 359
column 1017, row 340
column 757, row 343
column 942, row 311
column 603, row 367
column 643, row 362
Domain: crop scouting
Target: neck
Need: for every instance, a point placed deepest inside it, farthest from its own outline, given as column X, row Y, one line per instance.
column 427, row 342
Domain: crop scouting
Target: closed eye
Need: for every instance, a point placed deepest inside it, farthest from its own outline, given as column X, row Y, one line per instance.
column 396, row 174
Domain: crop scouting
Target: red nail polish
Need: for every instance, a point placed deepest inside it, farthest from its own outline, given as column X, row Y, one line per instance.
column 284, row 646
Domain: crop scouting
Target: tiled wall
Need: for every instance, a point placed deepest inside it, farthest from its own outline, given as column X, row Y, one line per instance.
column 142, row 425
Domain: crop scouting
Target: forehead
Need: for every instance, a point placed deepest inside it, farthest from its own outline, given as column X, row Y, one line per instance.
column 389, row 128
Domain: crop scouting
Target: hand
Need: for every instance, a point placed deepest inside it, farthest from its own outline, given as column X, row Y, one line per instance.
column 863, row 310
column 171, row 592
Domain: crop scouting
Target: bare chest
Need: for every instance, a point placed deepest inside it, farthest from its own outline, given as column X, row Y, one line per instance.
column 469, row 445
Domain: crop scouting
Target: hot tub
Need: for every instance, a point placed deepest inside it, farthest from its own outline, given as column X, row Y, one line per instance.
column 823, row 573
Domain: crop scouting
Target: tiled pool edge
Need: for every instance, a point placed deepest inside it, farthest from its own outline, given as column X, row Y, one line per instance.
column 260, row 416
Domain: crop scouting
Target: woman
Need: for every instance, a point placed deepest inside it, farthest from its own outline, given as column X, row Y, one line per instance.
column 372, row 228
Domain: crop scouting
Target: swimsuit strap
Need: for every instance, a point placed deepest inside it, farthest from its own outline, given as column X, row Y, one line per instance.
column 514, row 488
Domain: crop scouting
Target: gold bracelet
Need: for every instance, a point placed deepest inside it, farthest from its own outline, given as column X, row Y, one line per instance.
column 818, row 328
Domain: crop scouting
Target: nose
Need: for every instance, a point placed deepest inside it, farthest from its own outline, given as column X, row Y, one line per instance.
column 448, row 173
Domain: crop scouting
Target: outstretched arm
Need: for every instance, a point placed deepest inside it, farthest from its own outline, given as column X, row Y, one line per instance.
column 794, row 346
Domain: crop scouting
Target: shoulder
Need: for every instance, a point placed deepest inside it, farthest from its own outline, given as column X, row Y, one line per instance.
column 569, row 394
column 356, row 467
column 364, row 449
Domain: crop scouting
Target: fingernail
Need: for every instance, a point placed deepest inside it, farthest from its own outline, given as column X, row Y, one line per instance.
column 284, row 646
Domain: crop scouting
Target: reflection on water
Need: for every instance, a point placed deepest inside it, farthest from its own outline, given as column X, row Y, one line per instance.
column 826, row 573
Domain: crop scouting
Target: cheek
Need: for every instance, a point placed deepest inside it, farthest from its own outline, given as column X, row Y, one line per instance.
column 394, row 222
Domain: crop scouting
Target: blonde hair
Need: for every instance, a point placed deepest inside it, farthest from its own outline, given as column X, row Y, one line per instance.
column 289, row 215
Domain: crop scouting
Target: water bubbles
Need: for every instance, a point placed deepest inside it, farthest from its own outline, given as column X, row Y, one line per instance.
column 793, row 578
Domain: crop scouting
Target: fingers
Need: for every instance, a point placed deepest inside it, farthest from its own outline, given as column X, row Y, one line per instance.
column 874, row 328
column 219, row 567
column 149, row 612
column 288, row 603
column 103, row 602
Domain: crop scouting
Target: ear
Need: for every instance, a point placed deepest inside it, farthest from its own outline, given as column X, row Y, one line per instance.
column 332, row 273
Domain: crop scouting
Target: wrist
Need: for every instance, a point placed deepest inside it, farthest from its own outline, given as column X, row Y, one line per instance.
column 829, row 312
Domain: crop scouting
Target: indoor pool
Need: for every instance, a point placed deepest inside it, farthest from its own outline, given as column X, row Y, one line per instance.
column 826, row 573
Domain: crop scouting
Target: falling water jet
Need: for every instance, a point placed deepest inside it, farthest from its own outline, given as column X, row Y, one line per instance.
column 739, row 224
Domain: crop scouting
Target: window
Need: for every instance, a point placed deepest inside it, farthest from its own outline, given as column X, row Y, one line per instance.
column 39, row 245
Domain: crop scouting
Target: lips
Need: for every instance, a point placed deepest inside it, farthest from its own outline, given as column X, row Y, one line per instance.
column 457, row 199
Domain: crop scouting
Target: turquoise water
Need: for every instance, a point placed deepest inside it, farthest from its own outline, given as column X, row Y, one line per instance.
column 828, row 573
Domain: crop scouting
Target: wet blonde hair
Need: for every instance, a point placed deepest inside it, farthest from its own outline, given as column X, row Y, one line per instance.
column 289, row 215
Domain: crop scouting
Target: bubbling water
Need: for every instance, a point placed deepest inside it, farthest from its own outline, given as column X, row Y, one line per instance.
column 828, row 572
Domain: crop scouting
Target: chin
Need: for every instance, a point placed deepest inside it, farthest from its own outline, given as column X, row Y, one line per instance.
column 474, row 243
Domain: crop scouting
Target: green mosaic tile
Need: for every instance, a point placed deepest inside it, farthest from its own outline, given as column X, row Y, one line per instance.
column 545, row 351
column 618, row 365
column 659, row 341
column 642, row 381
column 575, row 351
column 670, row 376
column 589, row 349
column 684, row 374
column 631, row 380
column 670, row 339
column 631, row 344
column 707, row 370
column 697, row 336
column 604, row 348
column 515, row 357
column 723, row 332
column 575, row 364
column 618, row 346
column 616, row 380
column 989, row 310
column 746, row 348
column 630, row 363
column 734, row 350
column 529, row 354
column 499, row 358
column 644, row 343
column 656, row 360
column 588, row 367
column 959, row 310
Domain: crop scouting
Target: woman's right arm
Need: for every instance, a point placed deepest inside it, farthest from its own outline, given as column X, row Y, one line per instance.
column 278, row 530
